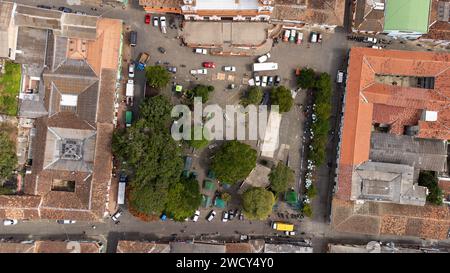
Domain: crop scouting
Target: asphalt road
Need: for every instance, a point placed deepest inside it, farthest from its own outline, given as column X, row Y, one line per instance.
column 326, row 57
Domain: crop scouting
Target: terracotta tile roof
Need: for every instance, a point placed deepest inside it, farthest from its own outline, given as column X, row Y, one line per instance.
column 445, row 186
column 368, row 101
column 50, row 247
column 238, row 248
column 327, row 12
column 89, row 200
column 437, row 30
column 141, row 247
column 377, row 218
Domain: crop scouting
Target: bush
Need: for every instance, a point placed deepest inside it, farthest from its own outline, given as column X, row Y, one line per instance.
column 8, row 158
column 307, row 210
column 281, row 178
column 200, row 91
column 226, row 197
column 311, row 192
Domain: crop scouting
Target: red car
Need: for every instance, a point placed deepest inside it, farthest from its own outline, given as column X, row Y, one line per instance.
column 147, row 19
column 209, row 65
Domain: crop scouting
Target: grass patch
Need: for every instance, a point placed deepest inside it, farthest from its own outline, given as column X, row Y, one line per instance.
column 9, row 88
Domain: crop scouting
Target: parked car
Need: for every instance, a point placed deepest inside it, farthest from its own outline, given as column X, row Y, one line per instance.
column 116, row 215
column 277, row 80
column 270, row 81
column 201, row 71
column 287, row 34
column 80, row 13
column 162, row 22
column 66, row 222
column 314, row 37
column 209, row 65
column 319, row 38
column 299, row 37
column 293, row 34
column 263, row 58
column 133, row 38
column 224, row 216
column 231, row 86
column 162, row 50
column 10, row 222
column 229, row 68
column 66, row 10
column 231, row 214
column 147, row 19
column 131, row 69
column 196, row 216
column 172, row 69
column 44, row 7
column 340, row 76
column 289, row 233
column 211, row 216
column 257, row 81
column 225, row 116
column 376, row 47
column 163, row 217
column 264, row 81
column 201, row 51
column 155, row 21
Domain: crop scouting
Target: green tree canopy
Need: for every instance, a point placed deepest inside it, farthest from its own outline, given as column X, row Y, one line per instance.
column 307, row 78
column 151, row 155
column 157, row 76
column 257, row 203
column 202, row 91
column 8, row 158
column 184, row 198
column 281, row 178
column 234, row 161
column 282, row 97
column 254, row 96
column 429, row 179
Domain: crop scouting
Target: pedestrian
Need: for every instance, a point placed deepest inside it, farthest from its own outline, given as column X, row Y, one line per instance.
column 117, row 222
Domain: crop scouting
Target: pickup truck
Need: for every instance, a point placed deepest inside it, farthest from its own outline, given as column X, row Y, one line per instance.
column 202, row 71
column 143, row 59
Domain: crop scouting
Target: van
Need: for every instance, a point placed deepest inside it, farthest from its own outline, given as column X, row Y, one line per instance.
column 340, row 76
column 313, row 37
column 133, row 38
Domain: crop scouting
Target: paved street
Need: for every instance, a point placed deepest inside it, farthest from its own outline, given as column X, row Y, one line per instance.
column 326, row 57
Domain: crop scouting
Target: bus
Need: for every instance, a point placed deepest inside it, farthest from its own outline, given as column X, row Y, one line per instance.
column 280, row 226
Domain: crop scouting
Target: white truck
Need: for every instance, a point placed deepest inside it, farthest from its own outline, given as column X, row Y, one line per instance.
column 121, row 193
column 264, row 66
column 129, row 93
column 162, row 21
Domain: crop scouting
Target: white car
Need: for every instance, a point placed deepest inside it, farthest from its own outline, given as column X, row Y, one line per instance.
column 201, row 51
column 264, row 58
column 196, row 215
column 376, row 47
column 229, row 68
column 116, row 215
column 155, row 21
column 257, row 81
column 264, row 81
column 131, row 68
column 10, row 222
column 225, row 116
column 66, row 222
column 162, row 21
column 211, row 216
column 202, row 71
column 340, row 76
column 289, row 233
column 225, row 216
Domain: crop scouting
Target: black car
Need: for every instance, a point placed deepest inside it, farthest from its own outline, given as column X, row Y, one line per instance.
column 230, row 214
column 162, row 50
column 66, row 10
column 44, row 7
column 277, row 80
column 270, row 81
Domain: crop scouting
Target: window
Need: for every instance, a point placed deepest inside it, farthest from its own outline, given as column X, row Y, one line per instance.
column 63, row 185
